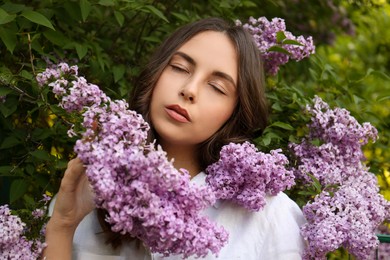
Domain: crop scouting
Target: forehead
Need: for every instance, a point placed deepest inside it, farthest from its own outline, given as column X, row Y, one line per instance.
column 213, row 51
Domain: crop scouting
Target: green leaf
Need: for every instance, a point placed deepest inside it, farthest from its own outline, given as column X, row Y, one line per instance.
column 280, row 36
column 278, row 49
column 316, row 183
column 62, row 164
column 41, row 134
column 18, row 189
column 85, row 8
column 56, row 37
column 42, row 180
column 383, row 98
column 30, row 169
column 283, row 125
column 9, row 142
column 27, row 75
column 5, row 91
column 81, row 50
column 291, row 42
column 156, row 12
column 37, row 18
column 107, row 2
column 119, row 18
column 5, row 17
column 180, row 16
column 41, row 154
column 9, row 107
column 5, row 169
column 13, row 8
column 152, row 39
column 266, row 139
column 305, row 193
column 118, row 72
column 248, row 4
column 315, row 142
column 9, row 39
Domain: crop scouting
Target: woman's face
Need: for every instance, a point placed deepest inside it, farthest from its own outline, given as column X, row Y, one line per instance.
column 197, row 92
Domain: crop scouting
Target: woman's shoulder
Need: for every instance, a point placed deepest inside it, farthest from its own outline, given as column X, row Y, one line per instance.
column 282, row 204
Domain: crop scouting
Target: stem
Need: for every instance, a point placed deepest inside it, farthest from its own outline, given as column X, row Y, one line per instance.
column 22, row 92
column 31, row 55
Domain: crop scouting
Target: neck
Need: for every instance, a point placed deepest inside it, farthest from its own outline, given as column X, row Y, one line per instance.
column 184, row 157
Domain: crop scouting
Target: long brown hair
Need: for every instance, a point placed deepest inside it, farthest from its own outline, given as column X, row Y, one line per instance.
column 250, row 115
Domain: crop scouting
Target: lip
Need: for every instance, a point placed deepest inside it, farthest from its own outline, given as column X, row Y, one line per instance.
column 178, row 113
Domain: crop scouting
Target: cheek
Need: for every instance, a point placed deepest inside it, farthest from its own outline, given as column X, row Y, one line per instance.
column 217, row 116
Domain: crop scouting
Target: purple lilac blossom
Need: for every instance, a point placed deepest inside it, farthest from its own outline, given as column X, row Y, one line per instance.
column 143, row 193
column 13, row 244
column 247, row 176
column 264, row 33
column 349, row 209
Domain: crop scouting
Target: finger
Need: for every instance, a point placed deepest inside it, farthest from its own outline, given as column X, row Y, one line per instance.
column 73, row 174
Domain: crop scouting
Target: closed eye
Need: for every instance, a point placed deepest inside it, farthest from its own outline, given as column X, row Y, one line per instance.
column 217, row 89
column 178, row 68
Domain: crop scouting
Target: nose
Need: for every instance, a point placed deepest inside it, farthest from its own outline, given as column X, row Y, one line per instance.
column 187, row 95
column 190, row 90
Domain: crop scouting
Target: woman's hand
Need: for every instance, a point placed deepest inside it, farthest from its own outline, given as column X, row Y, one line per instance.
column 75, row 197
column 74, row 201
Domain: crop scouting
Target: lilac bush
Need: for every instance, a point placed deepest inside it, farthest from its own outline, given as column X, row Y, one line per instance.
column 246, row 176
column 349, row 209
column 265, row 34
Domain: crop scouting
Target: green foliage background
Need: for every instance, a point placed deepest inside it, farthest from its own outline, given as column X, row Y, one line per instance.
column 110, row 40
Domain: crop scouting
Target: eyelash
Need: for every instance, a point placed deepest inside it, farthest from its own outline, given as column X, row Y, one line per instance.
column 217, row 89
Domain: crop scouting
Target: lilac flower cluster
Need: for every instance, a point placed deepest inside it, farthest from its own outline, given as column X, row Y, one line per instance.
column 349, row 209
column 247, row 176
column 13, row 243
column 264, row 33
column 340, row 154
column 142, row 192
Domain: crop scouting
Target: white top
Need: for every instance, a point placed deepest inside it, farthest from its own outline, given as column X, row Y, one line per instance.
column 271, row 234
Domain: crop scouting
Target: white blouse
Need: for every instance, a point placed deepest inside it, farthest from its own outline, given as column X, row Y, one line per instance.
column 271, row 234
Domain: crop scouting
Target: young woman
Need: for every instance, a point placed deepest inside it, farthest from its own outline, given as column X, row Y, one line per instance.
column 202, row 89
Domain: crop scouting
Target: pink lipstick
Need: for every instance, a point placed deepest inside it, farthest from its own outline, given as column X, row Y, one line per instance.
column 178, row 113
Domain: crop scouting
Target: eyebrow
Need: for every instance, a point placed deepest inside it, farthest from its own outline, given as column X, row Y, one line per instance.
column 218, row 74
